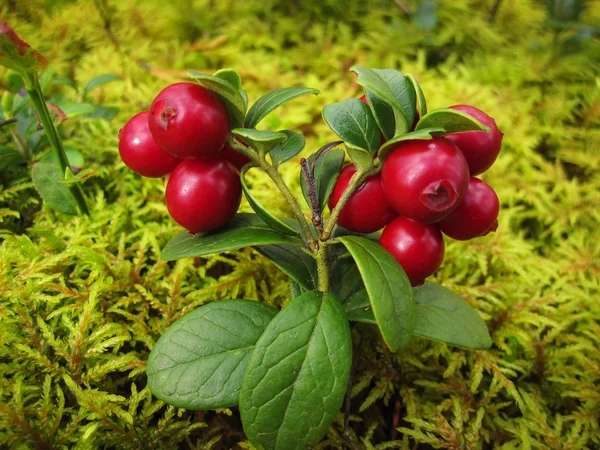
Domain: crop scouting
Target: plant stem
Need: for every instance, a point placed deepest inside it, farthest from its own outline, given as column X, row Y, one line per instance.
column 34, row 89
column 317, row 217
column 322, row 268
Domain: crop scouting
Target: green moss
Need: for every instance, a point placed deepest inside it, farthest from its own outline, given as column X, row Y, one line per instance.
column 82, row 300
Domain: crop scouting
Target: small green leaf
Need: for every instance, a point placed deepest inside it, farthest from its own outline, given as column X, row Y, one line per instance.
column 14, row 82
column 403, row 91
column 295, row 289
column 297, row 375
column 288, row 149
column 199, row 362
column 358, row 308
column 231, row 97
column 352, row 120
column 262, row 140
column 345, row 277
column 293, row 261
column 79, row 178
column 383, row 114
column 425, row 16
column 423, row 134
column 74, row 109
column 271, row 101
column 268, row 218
column 388, row 288
column 326, row 172
column 75, row 157
column 244, row 230
column 98, row 81
column 10, row 156
column 421, row 103
column 451, row 120
column 362, row 159
column 17, row 54
column 231, row 76
column 46, row 179
column 443, row 316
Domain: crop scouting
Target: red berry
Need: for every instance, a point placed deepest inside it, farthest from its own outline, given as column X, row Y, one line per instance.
column 189, row 121
column 367, row 210
column 477, row 215
column 140, row 152
column 203, row 195
column 418, row 247
column 425, row 180
column 235, row 158
column 480, row 148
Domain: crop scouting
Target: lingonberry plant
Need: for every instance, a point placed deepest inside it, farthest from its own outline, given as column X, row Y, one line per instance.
column 289, row 370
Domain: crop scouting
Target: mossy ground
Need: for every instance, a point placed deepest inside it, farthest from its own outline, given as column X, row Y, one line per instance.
column 82, row 300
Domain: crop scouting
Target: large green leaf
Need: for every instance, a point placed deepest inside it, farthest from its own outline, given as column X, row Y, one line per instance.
column 421, row 103
column 352, row 120
column 17, row 54
column 292, row 260
column 443, row 316
column 326, row 172
column 451, row 120
column 288, row 149
column 403, row 90
column 345, row 278
column 388, row 288
column 383, row 114
column 199, row 362
column 265, row 215
column 47, row 179
column 424, row 134
column 261, row 140
column 230, row 96
column 10, row 156
column 271, row 101
column 297, row 376
column 243, row 230
column 358, row 308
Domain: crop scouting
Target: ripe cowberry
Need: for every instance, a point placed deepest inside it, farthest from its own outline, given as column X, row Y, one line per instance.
column 480, row 148
column 203, row 195
column 425, row 180
column 477, row 214
column 140, row 152
column 418, row 247
column 189, row 121
column 367, row 210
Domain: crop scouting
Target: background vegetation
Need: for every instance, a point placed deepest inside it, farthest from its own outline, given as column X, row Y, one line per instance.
column 83, row 299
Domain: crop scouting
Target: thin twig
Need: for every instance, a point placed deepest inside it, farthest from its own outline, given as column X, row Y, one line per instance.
column 7, row 122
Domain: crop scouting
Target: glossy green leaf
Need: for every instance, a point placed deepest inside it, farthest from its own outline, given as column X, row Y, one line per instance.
column 421, row 102
column 424, row 134
column 383, row 114
column 295, row 289
column 451, row 120
column 326, row 172
column 199, row 362
column 231, row 76
column 10, row 156
column 98, row 81
column 353, row 121
column 293, row 261
column 265, row 215
column 271, row 101
column 443, row 316
column 358, row 308
column 404, row 92
column 17, row 54
column 262, row 140
column 345, row 278
column 230, row 96
column 47, row 179
column 297, row 375
column 388, row 288
column 288, row 149
column 244, row 230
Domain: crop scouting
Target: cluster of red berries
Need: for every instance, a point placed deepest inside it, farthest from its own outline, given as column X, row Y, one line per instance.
column 427, row 187
column 184, row 134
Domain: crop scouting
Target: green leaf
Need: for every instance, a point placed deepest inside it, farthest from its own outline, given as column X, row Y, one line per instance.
column 295, row 289
column 297, row 376
column 425, row 17
column 262, row 140
column 17, row 54
column 75, row 157
column 301, row 267
column 98, row 81
column 271, row 101
column 451, row 120
column 265, row 215
column 74, row 109
column 383, row 114
column 345, row 277
column 423, row 134
column 388, row 288
column 79, row 178
column 326, row 172
column 421, row 103
column 288, row 149
column 14, row 82
column 231, row 76
column 199, row 362
column 10, row 156
column 244, row 230
column 231, row 97
column 443, row 316
column 403, row 91
column 358, row 308
column 352, row 120
column 47, row 179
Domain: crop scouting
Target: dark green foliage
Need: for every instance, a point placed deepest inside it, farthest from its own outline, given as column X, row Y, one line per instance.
column 83, row 300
